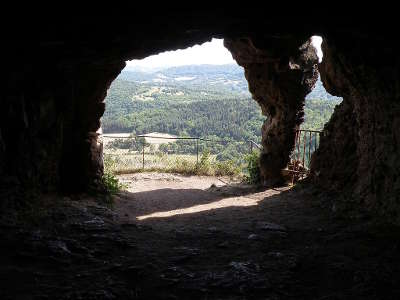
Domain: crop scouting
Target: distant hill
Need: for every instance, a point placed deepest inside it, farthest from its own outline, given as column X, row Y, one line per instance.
column 319, row 92
column 229, row 78
column 198, row 100
column 222, row 78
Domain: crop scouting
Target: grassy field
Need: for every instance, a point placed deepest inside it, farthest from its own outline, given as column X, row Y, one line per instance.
column 131, row 162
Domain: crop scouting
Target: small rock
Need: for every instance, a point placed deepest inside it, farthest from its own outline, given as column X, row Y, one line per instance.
column 271, row 226
column 245, row 267
column 179, row 233
column 212, row 229
column 128, row 225
column 253, row 236
column 95, row 221
column 223, row 245
column 276, row 254
column 58, row 247
column 193, row 251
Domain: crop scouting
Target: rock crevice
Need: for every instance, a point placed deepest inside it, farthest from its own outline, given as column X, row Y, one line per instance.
column 279, row 83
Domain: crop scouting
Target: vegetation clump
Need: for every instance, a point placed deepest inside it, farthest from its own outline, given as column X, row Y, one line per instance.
column 110, row 181
column 253, row 168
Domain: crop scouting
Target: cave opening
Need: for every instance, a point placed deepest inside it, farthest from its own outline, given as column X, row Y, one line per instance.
column 331, row 237
column 156, row 121
column 319, row 106
column 135, row 122
column 177, row 114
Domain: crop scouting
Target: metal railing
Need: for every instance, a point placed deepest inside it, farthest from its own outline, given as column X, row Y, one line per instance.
column 146, row 156
column 306, row 143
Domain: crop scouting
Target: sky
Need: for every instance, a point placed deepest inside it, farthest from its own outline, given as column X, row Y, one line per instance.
column 316, row 42
column 213, row 53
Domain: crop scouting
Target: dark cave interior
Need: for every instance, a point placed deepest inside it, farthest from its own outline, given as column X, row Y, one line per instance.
column 53, row 98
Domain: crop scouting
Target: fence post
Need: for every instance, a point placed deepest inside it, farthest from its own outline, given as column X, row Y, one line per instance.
column 304, row 148
column 197, row 149
column 251, row 147
column 143, row 142
column 309, row 149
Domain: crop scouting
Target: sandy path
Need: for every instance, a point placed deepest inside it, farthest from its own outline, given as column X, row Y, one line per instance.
column 141, row 182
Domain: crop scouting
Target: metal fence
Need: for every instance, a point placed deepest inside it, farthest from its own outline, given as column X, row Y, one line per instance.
column 152, row 152
column 306, row 143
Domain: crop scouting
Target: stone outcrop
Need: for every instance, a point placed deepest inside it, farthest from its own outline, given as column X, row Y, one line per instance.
column 48, row 125
column 359, row 152
column 278, row 82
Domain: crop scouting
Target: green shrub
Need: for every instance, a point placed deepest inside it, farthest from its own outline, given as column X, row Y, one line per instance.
column 253, row 167
column 160, row 162
column 110, row 181
column 227, row 168
column 182, row 166
column 204, row 166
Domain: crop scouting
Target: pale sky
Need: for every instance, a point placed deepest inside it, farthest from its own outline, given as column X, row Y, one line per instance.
column 316, row 42
column 213, row 53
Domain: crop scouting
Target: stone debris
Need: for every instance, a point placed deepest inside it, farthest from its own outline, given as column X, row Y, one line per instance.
column 253, row 236
column 184, row 254
column 59, row 247
column 245, row 267
column 212, row 229
column 225, row 245
column 271, row 226
column 88, row 256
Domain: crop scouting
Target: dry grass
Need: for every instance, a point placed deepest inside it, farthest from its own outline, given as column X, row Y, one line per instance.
column 169, row 163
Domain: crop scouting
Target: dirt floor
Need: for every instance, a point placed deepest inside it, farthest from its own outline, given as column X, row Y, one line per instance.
column 175, row 237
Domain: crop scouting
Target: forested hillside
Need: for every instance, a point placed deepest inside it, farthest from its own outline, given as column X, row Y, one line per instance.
column 205, row 101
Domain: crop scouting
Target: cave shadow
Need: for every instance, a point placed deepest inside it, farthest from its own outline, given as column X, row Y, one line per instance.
column 168, row 199
column 306, row 261
column 327, row 247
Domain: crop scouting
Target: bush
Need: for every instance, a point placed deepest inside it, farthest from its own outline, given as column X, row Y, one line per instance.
column 204, row 166
column 227, row 168
column 182, row 166
column 160, row 162
column 253, row 167
column 111, row 183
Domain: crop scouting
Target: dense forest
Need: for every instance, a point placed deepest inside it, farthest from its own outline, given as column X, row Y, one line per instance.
column 211, row 102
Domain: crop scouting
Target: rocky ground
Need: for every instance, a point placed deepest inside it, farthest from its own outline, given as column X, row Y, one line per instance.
column 176, row 237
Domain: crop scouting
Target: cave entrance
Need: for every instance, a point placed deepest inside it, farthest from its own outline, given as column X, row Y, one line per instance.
column 318, row 109
column 180, row 113
column 190, row 111
column 187, row 111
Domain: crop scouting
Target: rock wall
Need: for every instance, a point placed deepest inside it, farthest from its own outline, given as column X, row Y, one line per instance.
column 56, row 72
column 279, row 76
column 48, row 123
column 359, row 152
column 82, row 158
